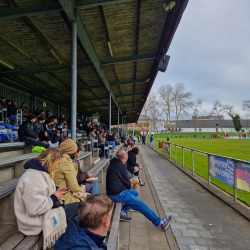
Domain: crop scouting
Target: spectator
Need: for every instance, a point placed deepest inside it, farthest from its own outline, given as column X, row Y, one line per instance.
column 25, row 112
column 92, row 187
column 61, row 121
column 42, row 112
column 143, row 139
column 65, row 174
column 10, row 112
column 3, row 100
column 168, row 138
column 133, row 137
column 94, row 214
column 48, row 114
column 52, row 131
column 101, row 141
column 119, row 189
column 36, row 195
column 151, row 141
column 139, row 139
column 92, row 135
column 41, row 130
column 13, row 105
column 27, row 134
column 37, row 111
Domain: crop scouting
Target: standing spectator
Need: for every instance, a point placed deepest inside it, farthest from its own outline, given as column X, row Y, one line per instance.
column 143, row 139
column 133, row 139
column 10, row 113
column 27, row 134
column 139, row 139
column 151, row 141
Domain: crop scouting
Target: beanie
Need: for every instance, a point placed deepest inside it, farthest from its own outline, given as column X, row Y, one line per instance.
column 68, row 147
column 41, row 117
column 31, row 116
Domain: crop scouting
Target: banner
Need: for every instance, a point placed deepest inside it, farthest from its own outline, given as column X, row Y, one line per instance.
column 222, row 169
column 165, row 147
column 243, row 176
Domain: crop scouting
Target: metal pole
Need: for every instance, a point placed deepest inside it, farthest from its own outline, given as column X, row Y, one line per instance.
column 182, row 157
column 235, row 181
column 74, row 82
column 175, row 154
column 110, row 112
column 208, row 169
column 192, row 161
column 118, row 124
column 133, row 129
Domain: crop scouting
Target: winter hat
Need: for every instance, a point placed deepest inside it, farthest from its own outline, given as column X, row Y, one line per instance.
column 41, row 117
column 68, row 147
column 31, row 116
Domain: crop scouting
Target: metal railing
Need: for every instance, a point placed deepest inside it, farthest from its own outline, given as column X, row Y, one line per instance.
column 192, row 150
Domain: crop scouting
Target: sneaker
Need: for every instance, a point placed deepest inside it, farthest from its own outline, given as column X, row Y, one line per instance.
column 142, row 184
column 165, row 225
column 125, row 218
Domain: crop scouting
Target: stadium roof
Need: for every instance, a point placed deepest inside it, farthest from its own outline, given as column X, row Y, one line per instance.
column 119, row 46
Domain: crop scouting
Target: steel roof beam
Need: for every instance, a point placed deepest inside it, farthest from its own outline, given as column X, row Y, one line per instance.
column 79, row 65
column 74, row 15
column 49, row 7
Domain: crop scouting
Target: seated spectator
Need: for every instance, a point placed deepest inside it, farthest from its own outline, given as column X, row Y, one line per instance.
column 48, row 114
column 3, row 100
column 27, row 134
column 10, row 112
column 61, row 121
column 119, row 189
column 37, row 199
column 94, row 215
column 51, row 129
column 41, row 130
column 13, row 105
column 92, row 135
column 37, row 111
column 132, row 166
column 65, row 174
column 25, row 112
column 92, row 187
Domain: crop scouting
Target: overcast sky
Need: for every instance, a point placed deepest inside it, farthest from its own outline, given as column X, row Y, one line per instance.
column 210, row 52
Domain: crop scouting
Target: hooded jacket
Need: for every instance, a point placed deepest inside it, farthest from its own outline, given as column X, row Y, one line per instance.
column 65, row 176
column 131, row 163
column 75, row 238
column 26, row 130
column 32, row 199
column 117, row 179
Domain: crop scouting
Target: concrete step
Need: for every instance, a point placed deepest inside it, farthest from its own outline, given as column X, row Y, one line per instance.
column 95, row 160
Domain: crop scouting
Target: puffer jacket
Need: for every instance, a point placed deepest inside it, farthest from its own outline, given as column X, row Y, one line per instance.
column 100, row 139
column 65, row 176
column 91, row 136
column 26, row 130
column 38, row 127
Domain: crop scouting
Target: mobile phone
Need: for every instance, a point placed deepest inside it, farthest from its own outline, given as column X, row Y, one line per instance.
column 67, row 189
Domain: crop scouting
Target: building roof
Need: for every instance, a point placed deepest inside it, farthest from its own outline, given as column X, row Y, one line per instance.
column 119, row 46
column 210, row 123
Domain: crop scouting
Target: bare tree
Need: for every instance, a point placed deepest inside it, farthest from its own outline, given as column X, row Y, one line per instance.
column 218, row 110
column 181, row 103
column 229, row 109
column 196, row 108
column 166, row 100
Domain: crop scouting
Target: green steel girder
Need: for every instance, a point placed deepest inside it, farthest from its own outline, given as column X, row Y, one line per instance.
column 49, row 7
column 74, row 16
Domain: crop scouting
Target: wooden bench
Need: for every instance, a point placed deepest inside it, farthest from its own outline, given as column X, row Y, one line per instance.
column 114, row 227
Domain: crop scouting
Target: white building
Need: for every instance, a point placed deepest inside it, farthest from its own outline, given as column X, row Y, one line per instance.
column 212, row 126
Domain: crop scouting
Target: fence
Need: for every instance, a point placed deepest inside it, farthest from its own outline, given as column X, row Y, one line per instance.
column 233, row 172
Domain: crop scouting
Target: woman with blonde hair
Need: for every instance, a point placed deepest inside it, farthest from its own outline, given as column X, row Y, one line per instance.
column 37, row 198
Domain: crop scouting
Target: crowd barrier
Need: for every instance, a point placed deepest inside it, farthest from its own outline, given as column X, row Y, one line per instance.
column 231, row 171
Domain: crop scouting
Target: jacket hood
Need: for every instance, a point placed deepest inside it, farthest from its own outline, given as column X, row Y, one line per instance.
column 35, row 164
column 75, row 238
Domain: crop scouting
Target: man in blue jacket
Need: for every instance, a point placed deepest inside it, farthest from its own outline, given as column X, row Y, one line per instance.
column 94, row 220
column 118, row 188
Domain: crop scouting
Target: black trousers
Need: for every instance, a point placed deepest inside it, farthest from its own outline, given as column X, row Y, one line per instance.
column 33, row 141
column 71, row 210
column 143, row 142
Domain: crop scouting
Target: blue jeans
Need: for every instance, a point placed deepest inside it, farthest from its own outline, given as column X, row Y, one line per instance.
column 129, row 197
column 152, row 144
column 92, row 188
column 13, row 118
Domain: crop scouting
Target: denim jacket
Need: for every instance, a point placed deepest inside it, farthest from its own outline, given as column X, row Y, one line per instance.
column 75, row 238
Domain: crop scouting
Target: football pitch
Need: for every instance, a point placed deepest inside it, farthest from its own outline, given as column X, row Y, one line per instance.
column 233, row 148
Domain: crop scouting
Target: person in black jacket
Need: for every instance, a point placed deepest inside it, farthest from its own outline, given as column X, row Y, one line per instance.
column 118, row 188
column 27, row 134
column 51, row 129
column 132, row 166
column 40, row 129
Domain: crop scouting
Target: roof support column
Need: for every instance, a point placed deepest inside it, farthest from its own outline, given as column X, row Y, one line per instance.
column 118, row 123
column 74, row 82
column 110, row 97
